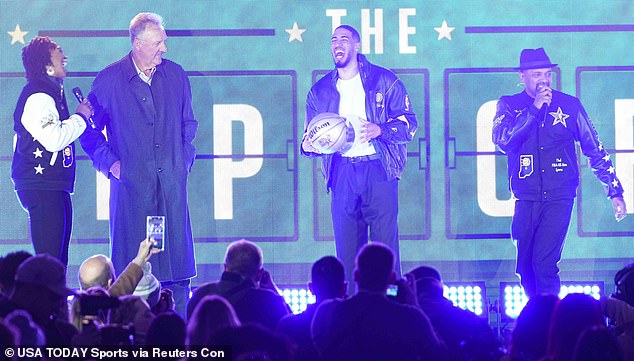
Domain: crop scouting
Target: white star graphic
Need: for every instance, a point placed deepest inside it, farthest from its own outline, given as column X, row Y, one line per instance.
column 611, row 170
column 615, row 183
column 38, row 169
column 606, row 157
column 560, row 117
column 17, row 35
column 37, row 153
column 295, row 33
column 444, row 31
column 600, row 146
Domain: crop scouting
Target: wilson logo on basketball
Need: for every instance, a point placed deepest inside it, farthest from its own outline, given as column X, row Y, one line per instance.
column 328, row 133
column 316, row 128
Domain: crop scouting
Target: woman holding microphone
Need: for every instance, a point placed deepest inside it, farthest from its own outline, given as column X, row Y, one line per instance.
column 43, row 167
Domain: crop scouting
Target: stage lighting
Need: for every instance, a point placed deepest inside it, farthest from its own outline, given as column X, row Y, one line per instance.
column 297, row 298
column 594, row 289
column 468, row 296
column 514, row 299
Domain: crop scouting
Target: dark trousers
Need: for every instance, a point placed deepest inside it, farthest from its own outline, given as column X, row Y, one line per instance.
column 362, row 197
column 539, row 231
column 50, row 221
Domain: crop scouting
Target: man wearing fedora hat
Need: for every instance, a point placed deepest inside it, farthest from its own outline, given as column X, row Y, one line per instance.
column 537, row 129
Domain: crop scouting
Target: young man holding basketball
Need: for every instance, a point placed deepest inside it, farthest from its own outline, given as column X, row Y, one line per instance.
column 364, row 179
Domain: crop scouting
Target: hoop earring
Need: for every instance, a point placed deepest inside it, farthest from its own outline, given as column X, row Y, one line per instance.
column 50, row 71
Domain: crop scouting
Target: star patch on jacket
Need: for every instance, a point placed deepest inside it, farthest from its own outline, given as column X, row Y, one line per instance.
column 559, row 117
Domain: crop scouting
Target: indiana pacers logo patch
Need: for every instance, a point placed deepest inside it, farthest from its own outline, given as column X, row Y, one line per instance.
column 68, row 156
column 526, row 165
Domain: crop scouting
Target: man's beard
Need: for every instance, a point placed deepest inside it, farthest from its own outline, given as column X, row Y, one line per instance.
column 343, row 62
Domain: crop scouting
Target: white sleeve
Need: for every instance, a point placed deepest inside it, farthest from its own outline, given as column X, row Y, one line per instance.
column 41, row 119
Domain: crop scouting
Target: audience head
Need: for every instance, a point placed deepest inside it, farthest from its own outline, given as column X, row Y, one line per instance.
column 244, row 258
column 571, row 317
column 530, row 334
column 328, row 279
column 8, row 266
column 624, row 281
column 253, row 342
column 7, row 338
column 428, row 284
column 96, row 271
column 374, row 267
column 421, row 272
column 598, row 344
column 40, row 287
column 167, row 329
column 133, row 310
column 148, row 288
column 29, row 333
column 211, row 314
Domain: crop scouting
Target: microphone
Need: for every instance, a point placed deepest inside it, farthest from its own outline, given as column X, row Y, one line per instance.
column 80, row 98
column 544, row 107
column 540, row 87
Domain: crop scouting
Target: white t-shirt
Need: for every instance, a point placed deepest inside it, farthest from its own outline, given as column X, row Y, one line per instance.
column 352, row 107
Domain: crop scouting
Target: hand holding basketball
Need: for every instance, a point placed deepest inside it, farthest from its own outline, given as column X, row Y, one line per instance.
column 307, row 146
column 369, row 130
column 328, row 133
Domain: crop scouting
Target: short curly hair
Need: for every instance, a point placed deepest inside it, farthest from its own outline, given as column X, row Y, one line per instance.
column 37, row 55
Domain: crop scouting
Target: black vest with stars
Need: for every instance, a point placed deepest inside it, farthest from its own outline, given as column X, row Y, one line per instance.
column 31, row 168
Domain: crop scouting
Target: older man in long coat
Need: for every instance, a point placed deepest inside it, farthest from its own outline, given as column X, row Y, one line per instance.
column 144, row 103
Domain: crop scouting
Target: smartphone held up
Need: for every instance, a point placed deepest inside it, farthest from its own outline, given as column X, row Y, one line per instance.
column 155, row 230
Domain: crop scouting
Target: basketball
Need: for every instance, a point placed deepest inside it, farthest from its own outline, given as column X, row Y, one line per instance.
column 328, row 133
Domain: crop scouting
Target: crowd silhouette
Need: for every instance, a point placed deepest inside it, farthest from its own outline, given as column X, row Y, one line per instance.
column 244, row 311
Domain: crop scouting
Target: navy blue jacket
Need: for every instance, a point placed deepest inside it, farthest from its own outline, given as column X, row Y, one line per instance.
column 542, row 159
column 59, row 176
column 251, row 303
column 385, row 100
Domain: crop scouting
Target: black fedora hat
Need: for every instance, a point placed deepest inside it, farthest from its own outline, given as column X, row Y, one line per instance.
column 535, row 59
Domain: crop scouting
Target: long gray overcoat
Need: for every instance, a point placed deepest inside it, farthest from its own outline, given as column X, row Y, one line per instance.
column 150, row 129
